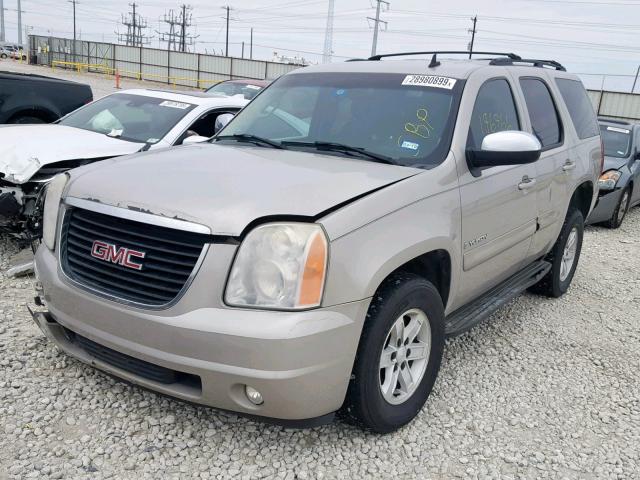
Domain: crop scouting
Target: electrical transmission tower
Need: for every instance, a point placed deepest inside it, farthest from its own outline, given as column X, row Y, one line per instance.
column 381, row 4
column 135, row 25
column 177, row 37
column 328, row 35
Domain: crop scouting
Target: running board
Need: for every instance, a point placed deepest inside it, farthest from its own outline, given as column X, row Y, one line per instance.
column 470, row 315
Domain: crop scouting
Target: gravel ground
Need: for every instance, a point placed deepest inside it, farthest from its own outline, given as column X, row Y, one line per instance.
column 100, row 84
column 546, row 389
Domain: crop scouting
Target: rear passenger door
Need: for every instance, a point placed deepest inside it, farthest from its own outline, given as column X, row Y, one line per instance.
column 552, row 189
column 498, row 207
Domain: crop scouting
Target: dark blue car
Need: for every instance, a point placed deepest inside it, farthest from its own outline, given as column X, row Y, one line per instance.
column 620, row 180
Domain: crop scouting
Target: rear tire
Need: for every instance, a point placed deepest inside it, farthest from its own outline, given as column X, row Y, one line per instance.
column 564, row 257
column 621, row 210
column 392, row 378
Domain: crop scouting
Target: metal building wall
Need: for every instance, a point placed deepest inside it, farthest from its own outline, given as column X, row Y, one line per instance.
column 621, row 106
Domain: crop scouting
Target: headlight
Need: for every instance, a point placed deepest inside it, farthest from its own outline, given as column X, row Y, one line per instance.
column 279, row 265
column 51, row 207
column 609, row 179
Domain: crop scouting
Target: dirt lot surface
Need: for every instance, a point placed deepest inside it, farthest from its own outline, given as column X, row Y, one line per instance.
column 545, row 389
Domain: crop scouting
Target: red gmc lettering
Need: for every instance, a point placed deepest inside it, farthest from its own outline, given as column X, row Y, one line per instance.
column 118, row 255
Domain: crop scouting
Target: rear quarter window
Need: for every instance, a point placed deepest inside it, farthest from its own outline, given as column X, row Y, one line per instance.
column 542, row 112
column 580, row 108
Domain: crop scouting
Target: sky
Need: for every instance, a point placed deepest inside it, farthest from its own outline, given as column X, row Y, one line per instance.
column 589, row 37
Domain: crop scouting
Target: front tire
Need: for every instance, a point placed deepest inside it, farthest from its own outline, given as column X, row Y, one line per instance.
column 399, row 354
column 563, row 257
column 621, row 210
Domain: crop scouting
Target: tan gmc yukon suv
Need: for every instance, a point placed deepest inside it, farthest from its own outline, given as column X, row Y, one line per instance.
column 312, row 257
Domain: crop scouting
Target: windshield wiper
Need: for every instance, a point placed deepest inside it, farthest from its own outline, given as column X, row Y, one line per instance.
column 247, row 137
column 340, row 147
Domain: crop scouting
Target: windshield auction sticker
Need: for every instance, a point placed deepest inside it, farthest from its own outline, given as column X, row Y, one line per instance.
column 429, row 81
column 180, row 105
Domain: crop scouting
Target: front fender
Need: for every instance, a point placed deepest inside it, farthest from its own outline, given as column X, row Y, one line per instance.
column 362, row 259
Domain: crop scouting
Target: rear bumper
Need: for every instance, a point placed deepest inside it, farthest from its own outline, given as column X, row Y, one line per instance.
column 605, row 205
column 300, row 362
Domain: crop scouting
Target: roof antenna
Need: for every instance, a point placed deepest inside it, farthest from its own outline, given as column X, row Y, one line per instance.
column 434, row 61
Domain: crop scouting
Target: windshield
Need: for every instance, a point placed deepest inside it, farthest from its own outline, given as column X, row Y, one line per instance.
column 236, row 88
column 617, row 141
column 407, row 122
column 135, row 118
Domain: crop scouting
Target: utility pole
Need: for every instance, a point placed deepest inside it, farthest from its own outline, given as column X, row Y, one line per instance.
column 73, row 50
column 2, row 35
column 473, row 35
column 226, row 50
column 250, row 45
column 635, row 80
column 328, row 34
column 19, row 23
column 376, row 24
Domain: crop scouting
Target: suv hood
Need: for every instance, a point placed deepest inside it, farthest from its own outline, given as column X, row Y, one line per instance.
column 24, row 149
column 227, row 187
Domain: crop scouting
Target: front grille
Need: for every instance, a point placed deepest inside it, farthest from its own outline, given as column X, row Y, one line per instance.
column 170, row 257
column 133, row 365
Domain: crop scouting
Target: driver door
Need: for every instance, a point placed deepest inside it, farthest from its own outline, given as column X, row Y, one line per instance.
column 498, row 206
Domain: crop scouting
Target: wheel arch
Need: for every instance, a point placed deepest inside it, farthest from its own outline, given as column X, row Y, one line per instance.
column 433, row 265
column 583, row 198
column 42, row 113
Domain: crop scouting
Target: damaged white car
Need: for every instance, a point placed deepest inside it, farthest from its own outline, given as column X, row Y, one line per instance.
column 118, row 124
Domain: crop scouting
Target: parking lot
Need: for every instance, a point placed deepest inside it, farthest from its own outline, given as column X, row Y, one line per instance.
column 545, row 389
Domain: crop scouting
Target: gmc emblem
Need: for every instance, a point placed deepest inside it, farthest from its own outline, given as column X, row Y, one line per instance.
column 118, row 255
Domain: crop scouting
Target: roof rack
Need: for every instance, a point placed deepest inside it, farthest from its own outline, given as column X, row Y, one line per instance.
column 534, row 62
column 512, row 56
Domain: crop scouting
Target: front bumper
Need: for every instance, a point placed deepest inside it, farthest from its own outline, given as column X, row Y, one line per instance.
column 300, row 362
column 605, row 206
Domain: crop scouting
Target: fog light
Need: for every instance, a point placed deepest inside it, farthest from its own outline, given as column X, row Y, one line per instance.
column 253, row 395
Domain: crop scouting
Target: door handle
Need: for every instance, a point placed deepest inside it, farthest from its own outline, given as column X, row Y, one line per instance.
column 568, row 166
column 526, row 183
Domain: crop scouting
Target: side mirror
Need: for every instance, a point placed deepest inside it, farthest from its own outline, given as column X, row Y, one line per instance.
column 222, row 121
column 194, row 139
column 510, row 147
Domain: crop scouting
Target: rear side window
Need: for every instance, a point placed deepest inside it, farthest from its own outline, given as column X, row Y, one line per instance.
column 542, row 111
column 494, row 111
column 579, row 106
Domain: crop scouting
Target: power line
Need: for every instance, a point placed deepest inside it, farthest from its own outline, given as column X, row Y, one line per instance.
column 376, row 24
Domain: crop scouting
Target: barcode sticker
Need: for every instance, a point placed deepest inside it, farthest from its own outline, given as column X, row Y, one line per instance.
column 172, row 104
column 429, row 81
